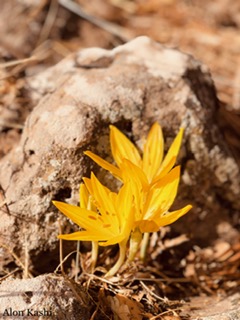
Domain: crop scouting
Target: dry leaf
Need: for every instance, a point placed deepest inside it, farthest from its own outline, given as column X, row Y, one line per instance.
column 125, row 308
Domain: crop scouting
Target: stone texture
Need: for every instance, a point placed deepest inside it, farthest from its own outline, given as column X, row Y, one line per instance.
column 44, row 297
column 130, row 86
column 213, row 308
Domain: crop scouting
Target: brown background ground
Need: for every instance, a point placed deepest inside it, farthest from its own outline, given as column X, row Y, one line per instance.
column 37, row 34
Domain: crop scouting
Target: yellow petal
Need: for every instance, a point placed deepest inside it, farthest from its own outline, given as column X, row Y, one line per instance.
column 120, row 202
column 123, row 148
column 171, row 217
column 125, row 215
column 162, row 194
column 139, row 189
column 132, row 172
column 153, row 152
column 104, row 164
column 88, row 184
column 86, row 219
column 171, row 156
column 84, row 196
column 125, row 208
column 113, row 240
column 85, row 236
column 168, row 218
column 104, row 202
column 148, row 226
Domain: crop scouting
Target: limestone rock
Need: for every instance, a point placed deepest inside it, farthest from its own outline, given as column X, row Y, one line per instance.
column 213, row 308
column 44, row 297
column 131, row 86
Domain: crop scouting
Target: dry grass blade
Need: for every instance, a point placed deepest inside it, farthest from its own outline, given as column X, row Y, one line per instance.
column 18, row 261
column 3, row 203
column 17, row 62
column 12, row 125
column 164, row 300
column 114, row 29
column 61, row 250
column 9, row 274
column 49, row 21
column 19, row 65
column 175, row 315
column 26, row 261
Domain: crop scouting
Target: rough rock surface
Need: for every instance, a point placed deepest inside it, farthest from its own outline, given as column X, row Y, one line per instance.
column 130, row 86
column 44, row 297
column 213, row 308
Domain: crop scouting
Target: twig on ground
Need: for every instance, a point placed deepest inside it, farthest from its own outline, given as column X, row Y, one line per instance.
column 10, row 125
column 26, row 262
column 164, row 300
column 17, row 62
column 9, row 274
column 77, row 260
column 49, row 22
column 114, row 29
column 3, row 203
column 61, row 251
column 166, row 312
column 17, row 259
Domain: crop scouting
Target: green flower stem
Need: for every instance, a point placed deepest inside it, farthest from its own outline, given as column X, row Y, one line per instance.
column 94, row 255
column 144, row 246
column 121, row 258
column 135, row 240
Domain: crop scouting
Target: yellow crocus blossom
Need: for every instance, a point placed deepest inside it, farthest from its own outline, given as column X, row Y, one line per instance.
column 113, row 222
column 151, row 204
column 146, row 170
column 142, row 204
column 86, row 202
column 151, row 163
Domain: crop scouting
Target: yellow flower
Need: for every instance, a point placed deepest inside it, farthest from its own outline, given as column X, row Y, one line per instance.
column 152, row 205
column 113, row 222
column 152, row 163
column 110, row 224
column 154, row 185
column 86, row 202
column 142, row 204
